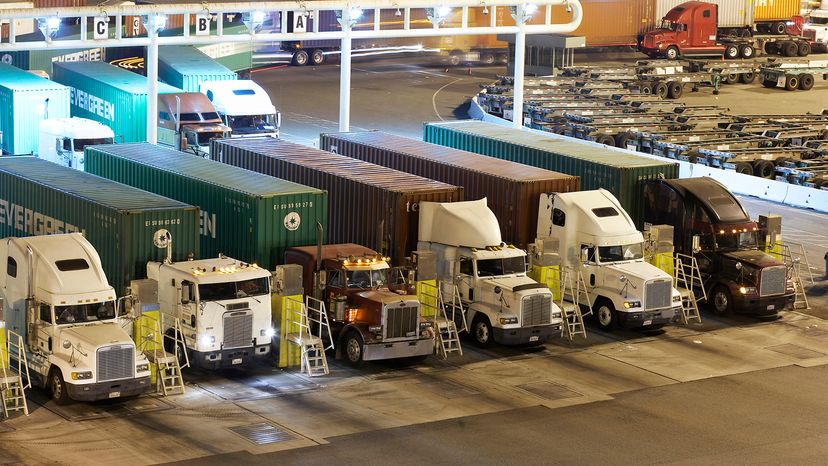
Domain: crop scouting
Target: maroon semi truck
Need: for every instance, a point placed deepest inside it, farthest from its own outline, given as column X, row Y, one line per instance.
column 696, row 29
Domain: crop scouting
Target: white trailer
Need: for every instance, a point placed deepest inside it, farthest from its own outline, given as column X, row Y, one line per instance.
column 243, row 106
column 62, row 140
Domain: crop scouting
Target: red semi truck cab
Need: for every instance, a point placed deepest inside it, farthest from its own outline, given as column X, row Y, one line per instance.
column 688, row 29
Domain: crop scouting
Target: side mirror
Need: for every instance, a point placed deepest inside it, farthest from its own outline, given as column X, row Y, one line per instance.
column 58, row 144
column 67, row 344
column 497, row 290
column 696, row 243
column 738, row 266
column 323, row 279
column 622, row 278
column 585, row 255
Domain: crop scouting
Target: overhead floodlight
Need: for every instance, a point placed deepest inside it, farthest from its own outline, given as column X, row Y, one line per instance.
column 523, row 13
column 438, row 15
column 398, row 13
column 354, row 13
column 48, row 27
column 154, row 23
column 254, row 21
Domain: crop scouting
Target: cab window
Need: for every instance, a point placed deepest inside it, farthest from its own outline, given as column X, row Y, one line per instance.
column 45, row 313
column 466, row 267
column 11, row 267
column 335, row 278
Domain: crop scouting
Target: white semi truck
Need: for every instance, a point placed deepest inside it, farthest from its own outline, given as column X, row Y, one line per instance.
column 816, row 29
column 594, row 233
column 62, row 140
column 57, row 297
column 243, row 106
column 502, row 303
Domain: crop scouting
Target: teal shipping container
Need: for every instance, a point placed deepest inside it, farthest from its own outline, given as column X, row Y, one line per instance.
column 108, row 94
column 26, row 100
column 621, row 174
column 43, row 198
column 186, row 68
column 245, row 215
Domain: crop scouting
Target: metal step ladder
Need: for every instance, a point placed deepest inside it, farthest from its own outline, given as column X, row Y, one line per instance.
column 794, row 261
column 446, row 333
column 168, row 377
column 302, row 319
column 686, row 279
column 573, row 285
column 12, row 388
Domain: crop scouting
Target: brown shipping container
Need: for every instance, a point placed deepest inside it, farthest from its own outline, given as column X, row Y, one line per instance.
column 58, row 3
column 361, row 196
column 512, row 189
column 612, row 22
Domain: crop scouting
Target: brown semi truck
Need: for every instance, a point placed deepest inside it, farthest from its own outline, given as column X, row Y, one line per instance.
column 372, row 317
column 188, row 122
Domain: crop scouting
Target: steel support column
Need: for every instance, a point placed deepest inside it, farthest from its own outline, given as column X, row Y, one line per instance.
column 520, row 65
column 345, row 73
column 152, row 86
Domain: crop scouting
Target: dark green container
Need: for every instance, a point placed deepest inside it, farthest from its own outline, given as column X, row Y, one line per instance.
column 245, row 215
column 40, row 198
column 621, row 174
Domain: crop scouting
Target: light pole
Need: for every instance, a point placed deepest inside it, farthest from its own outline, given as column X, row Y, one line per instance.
column 521, row 14
column 348, row 19
column 153, row 24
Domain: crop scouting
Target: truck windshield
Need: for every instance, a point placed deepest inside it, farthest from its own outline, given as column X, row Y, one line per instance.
column 233, row 290
column 366, row 278
column 252, row 124
column 816, row 20
column 82, row 313
column 505, row 266
column 669, row 25
column 744, row 240
column 625, row 252
column 81, row 143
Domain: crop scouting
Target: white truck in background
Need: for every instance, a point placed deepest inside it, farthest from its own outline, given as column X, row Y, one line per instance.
column 816, row 29
column 502, row 303
column 596, row 234
column 62, row 140
column 243, row 106
column 58, row 299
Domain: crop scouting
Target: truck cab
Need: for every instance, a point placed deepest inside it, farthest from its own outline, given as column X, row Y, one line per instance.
column 596, row 234
column 188, row 121
column 502, row 303
column 711, row 225
column 57, row 297
column 368, row 319
column 244, row 107
column 816, row 29
column 62, row 140
column 688, row 29
column 223, row 306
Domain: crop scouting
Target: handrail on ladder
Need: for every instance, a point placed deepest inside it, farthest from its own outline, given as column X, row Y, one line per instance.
column 14, row 346
column 320, row 319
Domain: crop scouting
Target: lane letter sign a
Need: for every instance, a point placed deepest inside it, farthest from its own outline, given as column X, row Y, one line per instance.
column 300, row 21
column 100, row 26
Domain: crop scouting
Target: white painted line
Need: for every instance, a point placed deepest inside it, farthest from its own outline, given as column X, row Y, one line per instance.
column 434, row 98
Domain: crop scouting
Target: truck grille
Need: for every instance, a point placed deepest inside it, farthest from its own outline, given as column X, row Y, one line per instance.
column 809, row 34
column 658, row 295
column 772, row 280
column 536, row 310
column 238, row 330
column 401, row 322
column 116, row 362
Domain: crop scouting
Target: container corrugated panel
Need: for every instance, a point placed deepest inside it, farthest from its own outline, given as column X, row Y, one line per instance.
column 512, row 189
column 26, row 100
column 770, row 10
column 363, row 198
column 108, row 94
column 186, row 68
column 245, row 215
column 58, row 3
column 622, row 174
column 39, row 198
column 612, row 22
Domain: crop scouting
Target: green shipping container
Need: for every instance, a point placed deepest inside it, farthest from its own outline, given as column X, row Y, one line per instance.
column 621, row 174
column 245, row 215
column 26, row 100
column 186, row 68
column 108, row 94
column 41, row 198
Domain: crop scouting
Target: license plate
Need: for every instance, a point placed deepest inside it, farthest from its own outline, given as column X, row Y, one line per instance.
column 534, row 338
column 236, row 361
column 648, row 322
column 771, row 307
column 114, row 394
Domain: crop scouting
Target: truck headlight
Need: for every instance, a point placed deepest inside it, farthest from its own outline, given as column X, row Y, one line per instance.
column 375, row 328
column 268, row 332
column 207, row 340
column 747, row 289
column 142, row 367
column 631, row 304
column 84, row 375
column 508, row 320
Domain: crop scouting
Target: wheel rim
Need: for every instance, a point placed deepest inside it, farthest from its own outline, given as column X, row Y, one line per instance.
column 57, row 387
column 604, row 316
column 672, row 54
column 301, row 58
column 481, row 332
column 318, row 57
column 720, row 301
column 354, row 350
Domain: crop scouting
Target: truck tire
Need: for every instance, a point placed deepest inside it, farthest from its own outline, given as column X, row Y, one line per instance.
column 781, row 161
column 300, row 58
column 317, row 57
column 764, row 169
column 744, row 168
column 169, row 346
column 481, row 331
column 747, row 78
column 788, row 48
column 771, row 48
column 660, row 89
column 720, row 301
column 57, row 388
column 354, row 348
column 803, row 49
column 487, row 59
column 747, row 51
column 675, row 90
column 605, row 139
column 605, row 314
column 622, row 139
column 806, row 81
column 791, row 83
column 672, row 53
column 731, row 52
column 779, row 28
column 731, row 78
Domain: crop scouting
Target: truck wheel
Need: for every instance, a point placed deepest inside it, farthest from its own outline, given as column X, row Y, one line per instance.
column 317, row 57
column 779, row 28
column 605, row 139
column 169, row 347
column 781, row 161
column 622, row 139
column 722, row 304
column 481, row 331
column 747, row 51
column 764, row 169
column 806, row 81
column 300, row 58
column 791, row 83
column 672, row 53
column 605, row 315
column 731, row 52
column 731, row 78
column 660, row 89
column 487, row 59
column 675, row 90
column 803, row 49
column 788, row 48
column 744, row 168
column 354, row 348
column 771, row 48
column 57, row 388
column 747, row 78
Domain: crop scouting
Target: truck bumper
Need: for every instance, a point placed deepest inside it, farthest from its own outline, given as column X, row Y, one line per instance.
column 106, row 390
column 761, row 306
column 236, row 357
column 526, row 335
column 637, row 319
column 398, row 349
